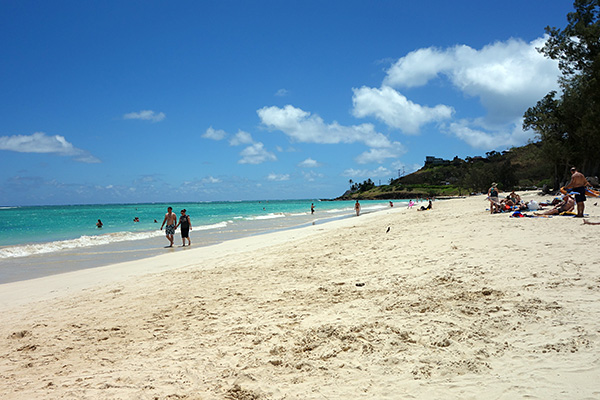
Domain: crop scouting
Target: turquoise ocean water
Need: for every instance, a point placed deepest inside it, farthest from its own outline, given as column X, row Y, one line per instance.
column 43, row 240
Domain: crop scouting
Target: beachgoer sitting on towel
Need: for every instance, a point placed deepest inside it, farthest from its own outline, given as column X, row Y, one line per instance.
column 567, row 205
column 515, row 197
column 507, row 203
column 423, row 208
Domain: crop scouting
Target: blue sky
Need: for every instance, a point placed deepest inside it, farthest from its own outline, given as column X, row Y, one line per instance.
column 156, row 101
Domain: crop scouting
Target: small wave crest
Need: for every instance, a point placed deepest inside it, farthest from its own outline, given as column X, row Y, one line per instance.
column 338, row 210
column 213, row 226
column 268, row 216
column 81, row 242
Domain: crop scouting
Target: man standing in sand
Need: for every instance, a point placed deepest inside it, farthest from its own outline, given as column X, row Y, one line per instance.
column 578, row 184
column 357, row 208
column 171, row 221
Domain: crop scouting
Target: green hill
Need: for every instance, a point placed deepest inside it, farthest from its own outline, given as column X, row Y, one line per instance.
column 514, row 169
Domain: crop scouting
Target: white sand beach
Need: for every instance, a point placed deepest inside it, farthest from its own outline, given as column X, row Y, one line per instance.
column 451, row 303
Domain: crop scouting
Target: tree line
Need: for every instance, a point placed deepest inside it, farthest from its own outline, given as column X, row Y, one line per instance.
column 567, row 124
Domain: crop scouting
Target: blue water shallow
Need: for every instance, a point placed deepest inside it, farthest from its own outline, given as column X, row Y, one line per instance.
column 44, row 240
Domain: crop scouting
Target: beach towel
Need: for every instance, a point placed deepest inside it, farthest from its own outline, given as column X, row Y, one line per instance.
column 589, row 191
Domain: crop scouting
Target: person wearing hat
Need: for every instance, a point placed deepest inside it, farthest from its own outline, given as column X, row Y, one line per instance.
column 186, row 226
column 493, row 197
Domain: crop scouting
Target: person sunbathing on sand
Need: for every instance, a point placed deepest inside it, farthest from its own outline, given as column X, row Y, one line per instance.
column 567, row 205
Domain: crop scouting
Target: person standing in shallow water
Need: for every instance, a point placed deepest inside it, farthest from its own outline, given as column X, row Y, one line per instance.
column 357, row 208
column 185, row 226
column 171, row 221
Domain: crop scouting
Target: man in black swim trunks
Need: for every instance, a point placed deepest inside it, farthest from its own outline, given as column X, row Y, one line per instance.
column 578, row 184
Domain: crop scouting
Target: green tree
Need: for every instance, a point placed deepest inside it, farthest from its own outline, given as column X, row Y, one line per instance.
column 547, row 121
column 478, row 177
column 568, row 126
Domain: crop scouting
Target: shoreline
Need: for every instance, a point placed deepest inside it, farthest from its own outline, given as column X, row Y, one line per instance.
column 32, row 266
column 47, row 286
column 451, row 303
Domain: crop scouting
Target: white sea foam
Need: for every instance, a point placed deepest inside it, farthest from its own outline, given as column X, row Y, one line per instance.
column 338, row 210
column 268, row 216
column 81, row 242
column 213, row 226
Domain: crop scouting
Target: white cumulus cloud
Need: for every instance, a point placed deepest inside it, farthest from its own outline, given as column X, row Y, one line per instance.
column 210, row 179
column 214, row 134
column 507, row 77
column 278, row 177
column 309, row 163
column 303, row 127
column 481, row 138
column 241, row 138
column 39, row 142
column 146, row 115
column 256, row 154
column 395, row 110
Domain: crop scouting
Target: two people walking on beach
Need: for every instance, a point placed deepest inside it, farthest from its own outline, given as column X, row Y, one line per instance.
column 172, row 225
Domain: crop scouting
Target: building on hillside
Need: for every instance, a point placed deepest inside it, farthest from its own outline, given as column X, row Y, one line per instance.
column 431, row 161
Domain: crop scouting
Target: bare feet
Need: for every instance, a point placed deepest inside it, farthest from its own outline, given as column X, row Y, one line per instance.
column 586, row 222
